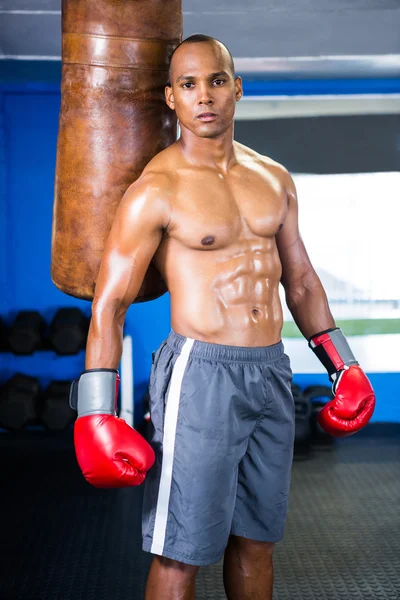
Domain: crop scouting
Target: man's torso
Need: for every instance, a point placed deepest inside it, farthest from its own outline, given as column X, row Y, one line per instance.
column 218, row 254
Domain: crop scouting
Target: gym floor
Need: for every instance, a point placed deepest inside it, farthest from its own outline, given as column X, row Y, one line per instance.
column 62, row 539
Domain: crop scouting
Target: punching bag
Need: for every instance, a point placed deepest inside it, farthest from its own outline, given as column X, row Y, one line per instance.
column 113, row 120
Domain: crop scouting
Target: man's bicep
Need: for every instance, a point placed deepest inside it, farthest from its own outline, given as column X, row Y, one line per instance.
column 133, row 240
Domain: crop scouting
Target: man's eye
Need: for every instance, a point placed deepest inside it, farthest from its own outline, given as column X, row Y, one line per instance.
column 220, row 80
column 187, row 83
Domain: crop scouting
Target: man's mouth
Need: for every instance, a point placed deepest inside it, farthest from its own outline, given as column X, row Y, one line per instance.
column 207, row 116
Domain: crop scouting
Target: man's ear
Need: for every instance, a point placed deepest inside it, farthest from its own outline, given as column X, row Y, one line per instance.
column 169, row 97
column 238, row 87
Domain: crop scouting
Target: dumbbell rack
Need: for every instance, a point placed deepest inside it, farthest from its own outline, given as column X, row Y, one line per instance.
column 27, row 341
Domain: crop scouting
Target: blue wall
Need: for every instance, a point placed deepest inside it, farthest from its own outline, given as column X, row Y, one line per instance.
column 28, row 135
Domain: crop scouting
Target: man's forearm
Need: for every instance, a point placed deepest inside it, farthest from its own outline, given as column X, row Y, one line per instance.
column 104, row 343
column 309, row 306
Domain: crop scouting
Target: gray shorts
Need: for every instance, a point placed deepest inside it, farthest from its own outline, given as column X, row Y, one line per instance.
column 222, row 421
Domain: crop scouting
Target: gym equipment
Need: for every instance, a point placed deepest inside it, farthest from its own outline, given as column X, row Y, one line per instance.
column 54, row 410
column 113, row 121
column 26, row 333
column 68, row 331
column 354, row 401
column 18, row 401
column 302, row 407
column 318, row 395
column 109, row 451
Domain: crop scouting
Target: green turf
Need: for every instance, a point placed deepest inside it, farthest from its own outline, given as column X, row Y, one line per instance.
column 352, row 327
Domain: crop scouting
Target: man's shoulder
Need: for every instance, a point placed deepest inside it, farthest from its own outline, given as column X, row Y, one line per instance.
column 251, row 156
column 272, row 169
column 153, row 189
column 159, row 171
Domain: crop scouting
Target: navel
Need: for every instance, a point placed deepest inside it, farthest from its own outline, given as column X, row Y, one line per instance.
column 208, row 240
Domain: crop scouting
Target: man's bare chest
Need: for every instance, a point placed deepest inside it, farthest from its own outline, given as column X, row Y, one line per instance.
column 213, row 212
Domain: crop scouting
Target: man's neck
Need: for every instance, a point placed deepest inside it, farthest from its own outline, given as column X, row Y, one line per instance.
column 215, row 153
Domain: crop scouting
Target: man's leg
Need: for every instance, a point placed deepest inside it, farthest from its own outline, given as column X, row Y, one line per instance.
column 248, row 569
column 171, row 580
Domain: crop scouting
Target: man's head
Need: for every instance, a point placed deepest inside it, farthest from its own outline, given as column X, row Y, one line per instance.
column 202, row 80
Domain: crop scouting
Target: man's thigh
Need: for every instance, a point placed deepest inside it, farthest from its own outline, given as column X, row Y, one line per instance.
column 265, row 470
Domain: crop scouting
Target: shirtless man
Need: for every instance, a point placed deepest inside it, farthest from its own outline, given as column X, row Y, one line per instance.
column 220, row 222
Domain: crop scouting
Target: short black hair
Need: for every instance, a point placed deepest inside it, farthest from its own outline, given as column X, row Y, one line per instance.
column 196, row 39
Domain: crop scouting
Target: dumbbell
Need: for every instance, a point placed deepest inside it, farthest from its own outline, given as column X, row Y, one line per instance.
column 26, row 333
column 68, row 331
column 18, row 401
column 318, row 395
column 302, row 407
column 54, row 410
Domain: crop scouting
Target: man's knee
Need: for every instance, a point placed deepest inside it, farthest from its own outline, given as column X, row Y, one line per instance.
column 251, row 550
column 176, row 568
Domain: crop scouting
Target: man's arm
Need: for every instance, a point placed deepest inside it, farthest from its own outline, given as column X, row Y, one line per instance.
column 136, row 233
column 305, row 296
column 354, row 401
column 109, row 451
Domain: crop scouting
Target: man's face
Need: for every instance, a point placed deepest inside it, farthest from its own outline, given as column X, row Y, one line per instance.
column 202, row 82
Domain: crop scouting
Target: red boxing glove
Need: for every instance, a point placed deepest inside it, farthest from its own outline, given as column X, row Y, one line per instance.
column 352, row 406
column 110, row 453
column 354, row 401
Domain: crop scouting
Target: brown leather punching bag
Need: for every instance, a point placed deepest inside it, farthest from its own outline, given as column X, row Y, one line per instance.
column 113, row 120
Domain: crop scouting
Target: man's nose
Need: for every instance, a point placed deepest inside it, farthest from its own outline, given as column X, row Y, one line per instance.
column 204, row 95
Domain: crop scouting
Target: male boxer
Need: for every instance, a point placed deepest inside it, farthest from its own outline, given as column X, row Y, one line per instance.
column 220, row 222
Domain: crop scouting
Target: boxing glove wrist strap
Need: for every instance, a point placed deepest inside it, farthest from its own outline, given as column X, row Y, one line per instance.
column 95, row 392
column 333, row 350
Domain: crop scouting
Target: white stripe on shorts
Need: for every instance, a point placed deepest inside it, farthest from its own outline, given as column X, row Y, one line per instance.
column 170, row 421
